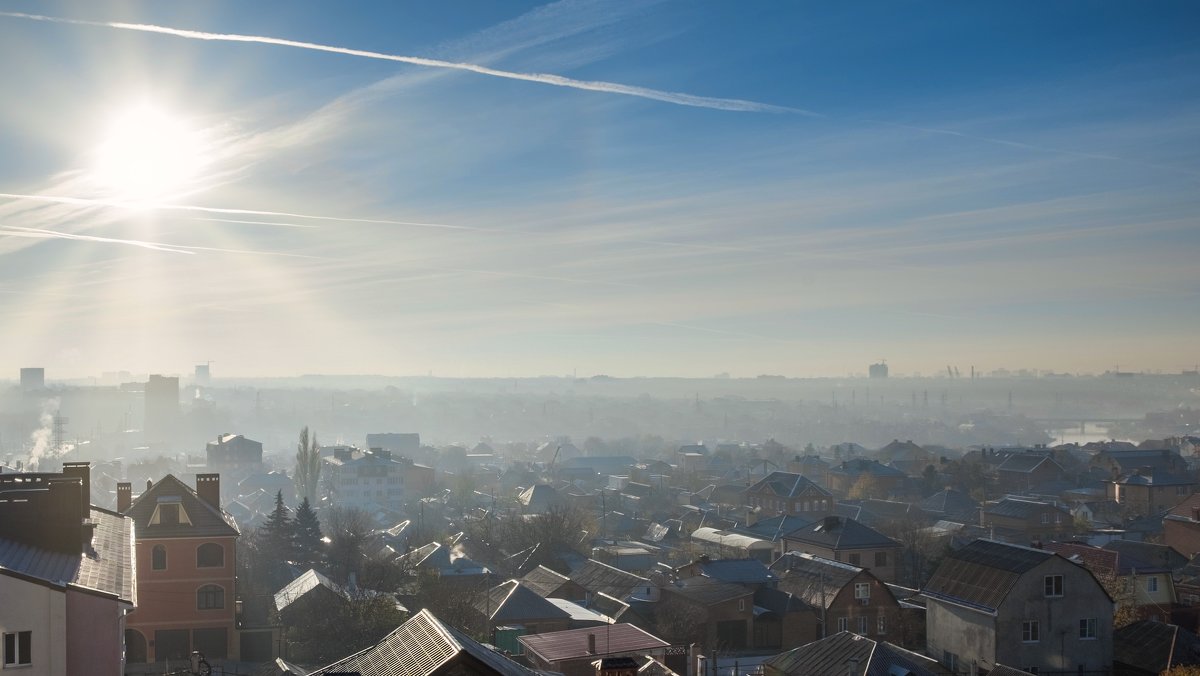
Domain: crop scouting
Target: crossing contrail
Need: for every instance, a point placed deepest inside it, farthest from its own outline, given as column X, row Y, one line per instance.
column 677, row 98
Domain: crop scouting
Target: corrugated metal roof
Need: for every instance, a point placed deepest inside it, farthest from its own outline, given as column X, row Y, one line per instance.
column 741, row 571
column 595, row 576
column 544, row 581
column 981, row 574
column 845, row 654
column 572, row 644
column 815, row 580
column 787, row 485
column 513, row 602
column 106, row 567
column 419, row 647
column 707, row 591
column 839, row 533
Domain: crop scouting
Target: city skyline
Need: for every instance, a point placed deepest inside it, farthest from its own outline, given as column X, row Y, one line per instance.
column 644, row 188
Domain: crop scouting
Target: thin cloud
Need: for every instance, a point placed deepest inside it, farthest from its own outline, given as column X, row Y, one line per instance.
column 677, row 98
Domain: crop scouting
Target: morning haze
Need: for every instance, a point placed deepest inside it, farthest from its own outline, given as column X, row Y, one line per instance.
column 599, row 338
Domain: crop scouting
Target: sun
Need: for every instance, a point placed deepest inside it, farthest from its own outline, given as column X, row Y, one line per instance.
column 147, row 153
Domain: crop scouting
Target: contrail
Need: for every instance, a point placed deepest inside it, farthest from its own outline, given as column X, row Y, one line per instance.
column 83, row 201
column 677, row 98
column 38, row 233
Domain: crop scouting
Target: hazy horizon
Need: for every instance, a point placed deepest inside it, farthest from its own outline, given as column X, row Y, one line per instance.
column 651, row 188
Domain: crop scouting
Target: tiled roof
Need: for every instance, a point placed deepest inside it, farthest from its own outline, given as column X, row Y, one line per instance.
column 206, row 520
column 557, row 646
column 544, row 581
column 981, row 574
column 1102, row 562
column 838, row 533
column 816, row 580
column 787, row 485
column 513, row 602
column 107, row 567
column 847, row 654
column 421, row 646
column 600, row 577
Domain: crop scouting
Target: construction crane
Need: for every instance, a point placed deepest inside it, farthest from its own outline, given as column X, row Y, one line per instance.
column 550, row 467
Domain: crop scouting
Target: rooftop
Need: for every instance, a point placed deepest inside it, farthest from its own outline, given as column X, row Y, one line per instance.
column 572, row 644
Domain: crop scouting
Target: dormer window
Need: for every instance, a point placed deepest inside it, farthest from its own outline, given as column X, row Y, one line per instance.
column 169, row 512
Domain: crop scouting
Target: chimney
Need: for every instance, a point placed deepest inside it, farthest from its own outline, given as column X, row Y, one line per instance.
column 208, row 487
column 82, row 470
column 124, row 496
column 591, row 644
column 149, row 484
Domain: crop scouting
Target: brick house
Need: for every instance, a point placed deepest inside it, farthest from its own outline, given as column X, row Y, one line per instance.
column 848, row 541
column 185, row 571
column 790, row 494
column 1024, row 521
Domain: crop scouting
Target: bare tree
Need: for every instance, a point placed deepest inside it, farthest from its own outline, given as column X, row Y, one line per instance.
column 308, row 466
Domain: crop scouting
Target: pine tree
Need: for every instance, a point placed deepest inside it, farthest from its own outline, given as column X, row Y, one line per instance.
column 278, row 535
column 308, row 465
column 308, row 535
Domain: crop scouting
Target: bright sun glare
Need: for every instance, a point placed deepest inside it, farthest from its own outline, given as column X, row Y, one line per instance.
column 148, row 154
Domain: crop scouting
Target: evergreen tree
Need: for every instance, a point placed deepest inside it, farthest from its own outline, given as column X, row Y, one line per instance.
column 308, row 466
column 278, row 535
column 308, row 535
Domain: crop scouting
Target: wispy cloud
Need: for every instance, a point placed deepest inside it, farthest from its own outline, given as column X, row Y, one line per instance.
column 676, row 98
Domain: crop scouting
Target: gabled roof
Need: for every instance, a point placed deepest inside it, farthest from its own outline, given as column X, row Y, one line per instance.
column 1020, row 509
column 706, row 591
column 980, row 575
column 1155, row 646
column 303, row 585
column 538, row 495
column 558, row 646
column 543, row 581
column 950, row 501
column 597, row 577
column 738, row 571
column 1025, row 463
column 787, row 485
column 420, row 647
column 815, row 580
column 1147, row 556
column 206, row 520
column 837, row 533
column 847, row 654
column 514, row 602
column 1157, row 476
column 859, row 466
column 1102, row 562
column 108, row 568
column 774, row 527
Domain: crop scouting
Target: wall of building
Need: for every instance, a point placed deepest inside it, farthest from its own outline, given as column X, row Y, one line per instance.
column 95, row 634
column 28, row 606
column 167, row 598
column 968, row 634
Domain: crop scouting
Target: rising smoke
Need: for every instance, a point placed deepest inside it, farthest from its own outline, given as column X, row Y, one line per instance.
column 43, row 437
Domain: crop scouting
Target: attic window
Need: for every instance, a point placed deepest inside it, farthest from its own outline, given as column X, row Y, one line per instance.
column 169, row 514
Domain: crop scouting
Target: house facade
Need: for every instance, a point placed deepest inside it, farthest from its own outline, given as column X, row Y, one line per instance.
column 186, row 548
column 992, row 602
column 789, row 494
column 848, row 541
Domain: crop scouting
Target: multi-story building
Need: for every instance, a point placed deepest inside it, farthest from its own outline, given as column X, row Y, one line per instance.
column 234, row 454
column 1026, row 521
column 992, row 602
column 161, row 408
column 848, row 541
column 790, row 494
column 185, row 571
column 66, row 576
column 1151, row 490
column 366, row 479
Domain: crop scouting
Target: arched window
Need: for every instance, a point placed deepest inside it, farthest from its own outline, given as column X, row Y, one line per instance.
column 210, row 597
column 210, row 555
column 158, row 557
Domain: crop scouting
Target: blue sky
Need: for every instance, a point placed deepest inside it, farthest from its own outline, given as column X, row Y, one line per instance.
column 797, row 188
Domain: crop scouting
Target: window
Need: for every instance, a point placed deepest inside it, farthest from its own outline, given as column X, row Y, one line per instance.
column 1087, row 629
column 880, row 559
column 741, row 604
column 210, row 597
column 843, row 624
column 1045, row 517
column 18, row 648
column 950, row 660
column 862, row 590
column 854, row 559
column 1054, row 585
column 1029, row 632
column 882, row 625
column 1181, row 490
column 1032, row 670
column 210, row 555
column 158, row 557
column 862, row 625
column 1152, row 584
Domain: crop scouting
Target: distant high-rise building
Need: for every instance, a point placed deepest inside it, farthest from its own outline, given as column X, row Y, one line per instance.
column 162, row 407
column 203, row 375
column 33, row 378
column 879, row 370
